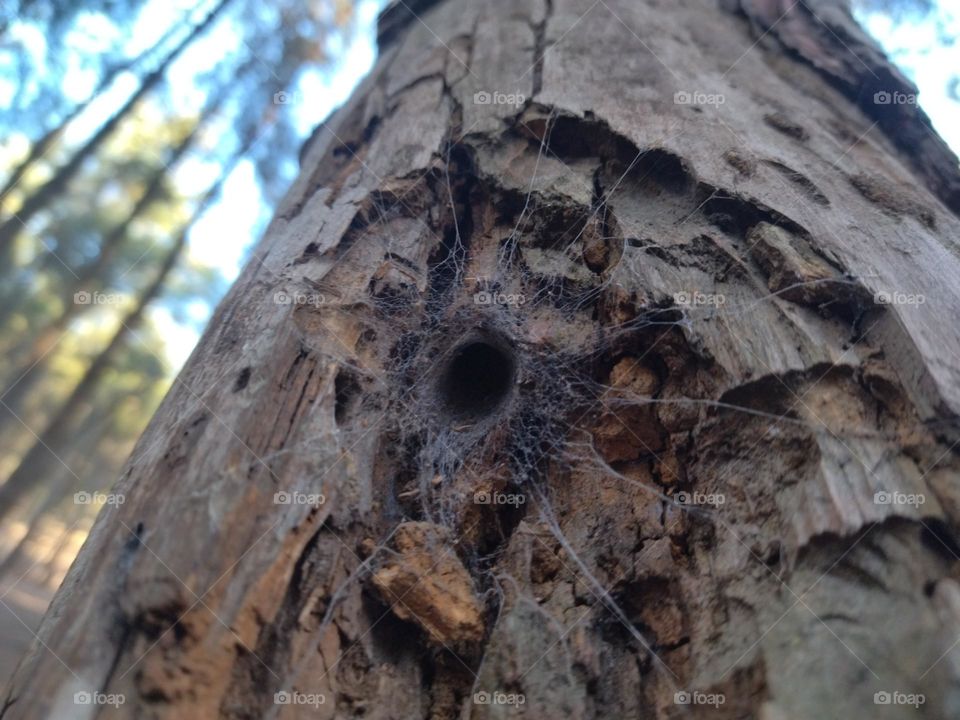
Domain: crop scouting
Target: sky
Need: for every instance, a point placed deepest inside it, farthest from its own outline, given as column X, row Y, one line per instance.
column 915, row 46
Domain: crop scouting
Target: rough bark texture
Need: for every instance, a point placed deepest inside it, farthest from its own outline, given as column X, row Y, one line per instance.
column 524, row 498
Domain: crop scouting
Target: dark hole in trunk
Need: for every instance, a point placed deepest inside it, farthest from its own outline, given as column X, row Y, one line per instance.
column 476, row 379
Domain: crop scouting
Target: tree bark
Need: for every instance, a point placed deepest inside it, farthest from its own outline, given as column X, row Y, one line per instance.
column 590, row 398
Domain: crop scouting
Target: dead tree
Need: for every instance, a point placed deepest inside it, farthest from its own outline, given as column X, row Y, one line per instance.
column 602, row 362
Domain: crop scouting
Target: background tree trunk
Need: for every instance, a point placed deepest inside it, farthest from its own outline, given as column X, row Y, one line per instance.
column 91, row 278
column 56, row 437
column 40, row 146
column 44, row 455
column 41, row 196
column 587, row 400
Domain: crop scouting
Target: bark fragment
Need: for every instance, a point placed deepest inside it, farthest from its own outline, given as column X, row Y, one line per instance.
column 428, row 585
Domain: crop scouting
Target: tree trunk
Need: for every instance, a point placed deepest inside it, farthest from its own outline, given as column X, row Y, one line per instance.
column 50, row 568
column 43, row 195
column 587, row 403
column 46, row 141
column 35, row 466
column 89, row 279
column 41, row 460
column 64, row 481
column 17, row 562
